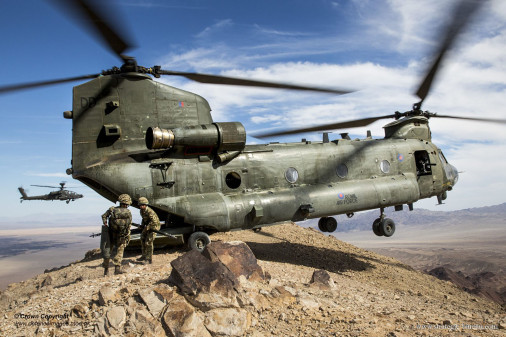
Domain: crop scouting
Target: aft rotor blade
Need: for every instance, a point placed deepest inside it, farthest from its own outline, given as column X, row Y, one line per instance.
column 488, row 120
column 334, row 126
column 22, row 86
column 462, row 15
column 98, row 18
column 215, row 79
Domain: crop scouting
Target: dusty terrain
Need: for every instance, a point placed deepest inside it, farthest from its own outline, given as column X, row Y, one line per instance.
column 373, row 295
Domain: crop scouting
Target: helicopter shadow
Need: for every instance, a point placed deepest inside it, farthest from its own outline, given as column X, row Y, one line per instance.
column 331, row 260
column 309, row 256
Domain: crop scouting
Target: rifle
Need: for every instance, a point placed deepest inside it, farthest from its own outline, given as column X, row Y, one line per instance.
column 141, row 227
column 154, row 231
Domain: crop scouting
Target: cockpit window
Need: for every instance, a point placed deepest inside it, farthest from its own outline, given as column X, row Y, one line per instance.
column 442, row 157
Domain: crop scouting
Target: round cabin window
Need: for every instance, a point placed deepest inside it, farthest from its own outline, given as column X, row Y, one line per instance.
column 233, row 180
column 291, row 175
column 385, row 166
column 342, row 170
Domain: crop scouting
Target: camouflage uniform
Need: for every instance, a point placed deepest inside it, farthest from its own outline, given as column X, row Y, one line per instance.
column 117, row 234
column 149, row 221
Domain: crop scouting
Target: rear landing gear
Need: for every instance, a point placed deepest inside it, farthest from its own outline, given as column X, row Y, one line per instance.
column 383, row 226
column 327, row 224
column 198, row 241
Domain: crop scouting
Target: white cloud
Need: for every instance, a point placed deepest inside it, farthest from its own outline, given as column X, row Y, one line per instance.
column 471, row 83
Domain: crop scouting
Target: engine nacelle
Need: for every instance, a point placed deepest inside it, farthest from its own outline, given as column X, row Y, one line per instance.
column 229, row 136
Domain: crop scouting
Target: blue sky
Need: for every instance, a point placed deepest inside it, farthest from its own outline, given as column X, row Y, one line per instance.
column 379, row 47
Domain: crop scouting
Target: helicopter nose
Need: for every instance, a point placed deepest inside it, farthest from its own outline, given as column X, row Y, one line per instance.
column 455, row 175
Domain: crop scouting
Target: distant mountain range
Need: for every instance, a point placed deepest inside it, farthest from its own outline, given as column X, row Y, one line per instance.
column 418, row 217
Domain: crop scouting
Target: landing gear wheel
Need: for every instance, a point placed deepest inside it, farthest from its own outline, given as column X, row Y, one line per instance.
column 376, row 227
column 198, row 241
column 321, row 225
column 330, row 224
column 327, row 224
column 387, row 226
column 256, row 230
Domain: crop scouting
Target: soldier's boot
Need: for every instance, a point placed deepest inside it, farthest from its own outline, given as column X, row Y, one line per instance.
column 117, row 270
column 148, row 261
column 142, row 258
column 106, row 267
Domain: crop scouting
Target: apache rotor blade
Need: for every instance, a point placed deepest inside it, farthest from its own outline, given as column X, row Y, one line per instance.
column 215, row 79
column 488, row 120
column 22, row 86
column 461, row 17
column 98, row 18
column 334, row 126
column 46, row 186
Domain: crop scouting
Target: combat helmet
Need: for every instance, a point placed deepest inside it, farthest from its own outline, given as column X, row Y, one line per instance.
column 125, row 199
column 143, row 201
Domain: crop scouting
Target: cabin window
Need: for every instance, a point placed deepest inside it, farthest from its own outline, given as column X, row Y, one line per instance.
column 385, row 166
column 291, row 175
column 423, row 165
column 233, row 180
column 342, row 170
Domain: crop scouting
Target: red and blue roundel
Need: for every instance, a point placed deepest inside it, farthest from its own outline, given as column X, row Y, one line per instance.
column 400, row 157
column 340, row 196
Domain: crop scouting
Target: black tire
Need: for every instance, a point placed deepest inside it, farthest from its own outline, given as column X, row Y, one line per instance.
column 387, row 226
column 330, row 224
column 256, row 230
column 321, row 224
column 376, row 227
column 198, row 241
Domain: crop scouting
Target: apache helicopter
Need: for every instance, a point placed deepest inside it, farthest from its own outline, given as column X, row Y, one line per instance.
column 131, row 134
column 62, row 194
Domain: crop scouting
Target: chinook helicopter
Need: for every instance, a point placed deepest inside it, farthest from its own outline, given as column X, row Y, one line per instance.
column 131, row 134
column 61, row 194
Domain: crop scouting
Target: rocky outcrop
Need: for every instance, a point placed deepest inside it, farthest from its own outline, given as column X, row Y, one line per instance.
column 318, row 286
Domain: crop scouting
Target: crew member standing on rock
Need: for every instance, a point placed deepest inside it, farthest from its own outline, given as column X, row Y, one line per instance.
column 150, row 221
column 116, row 233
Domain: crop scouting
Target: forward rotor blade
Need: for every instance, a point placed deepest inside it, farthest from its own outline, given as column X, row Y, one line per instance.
column 215, row 79
column 99, row 21
column 488, row 120
column 335, row 126
column 462, row 15
column 22, row 86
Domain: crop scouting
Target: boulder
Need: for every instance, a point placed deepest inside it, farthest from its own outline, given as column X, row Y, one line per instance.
column 237, row 257
column 153, row 301
column 144, row 323
column 106, row 295
column 192, row 273
column 182, row 320
column 322, row 280
column 204, row 283
column 228, row 321
column 116, row 316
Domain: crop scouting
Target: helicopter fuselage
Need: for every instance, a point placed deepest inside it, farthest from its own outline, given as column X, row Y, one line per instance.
column 202, row 182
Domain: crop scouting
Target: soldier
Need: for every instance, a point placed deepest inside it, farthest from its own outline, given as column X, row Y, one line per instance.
column 149, row 221
column 116, row 234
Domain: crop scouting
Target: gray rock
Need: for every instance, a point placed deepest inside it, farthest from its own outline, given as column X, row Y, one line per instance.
column 116, row 316
column 227, row 321
column 182, row 320
column 144, row 323
column 153, row 301
column 106, row 295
